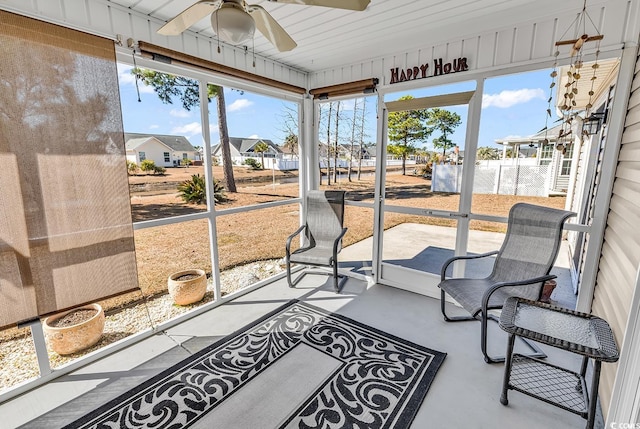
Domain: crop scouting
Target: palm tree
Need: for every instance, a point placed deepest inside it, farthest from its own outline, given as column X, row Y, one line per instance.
column 261, row 147
column 291, row 143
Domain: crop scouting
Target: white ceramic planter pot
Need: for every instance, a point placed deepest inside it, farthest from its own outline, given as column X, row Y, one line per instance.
column 66, row 340
column 187, row 287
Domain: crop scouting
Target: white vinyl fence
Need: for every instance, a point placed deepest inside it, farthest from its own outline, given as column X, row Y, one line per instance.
column 526, row 180
column 271, row 163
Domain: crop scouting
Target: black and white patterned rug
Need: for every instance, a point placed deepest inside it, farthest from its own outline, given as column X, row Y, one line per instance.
column 297, row 367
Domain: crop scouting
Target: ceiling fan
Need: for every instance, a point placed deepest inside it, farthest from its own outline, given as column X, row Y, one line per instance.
column 234, row 21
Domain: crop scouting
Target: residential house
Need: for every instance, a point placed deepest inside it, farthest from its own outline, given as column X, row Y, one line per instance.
column 539, row 150
column 288, row 153
column 243, row 148
column 164, row 150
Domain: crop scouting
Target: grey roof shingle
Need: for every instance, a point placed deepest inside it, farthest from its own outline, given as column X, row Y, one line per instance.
column 177, row 143
column 244, row 145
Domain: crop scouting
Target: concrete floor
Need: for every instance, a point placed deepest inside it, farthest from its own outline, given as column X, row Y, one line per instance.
column 466, row 390
column 465, row 393
column 426, row 247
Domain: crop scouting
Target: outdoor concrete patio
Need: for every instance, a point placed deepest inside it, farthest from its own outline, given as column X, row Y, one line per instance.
column 426, row 247
column 465, row 392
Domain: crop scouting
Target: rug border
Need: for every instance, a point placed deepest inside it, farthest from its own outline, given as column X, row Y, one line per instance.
column 410, row 410
column 405, row 417
column 133, row 391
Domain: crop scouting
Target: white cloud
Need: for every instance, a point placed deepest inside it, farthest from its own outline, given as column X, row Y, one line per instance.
column 253, row 136
column 126, row 78
column 154, row 127
column 509, row 98
column 239, row 104
column 145, row 89
column 124, row 73
column 179, row 113
column 189, row 130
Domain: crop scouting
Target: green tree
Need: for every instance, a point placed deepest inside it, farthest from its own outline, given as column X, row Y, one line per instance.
column 406, row 128
column 261, row 147
column 444, row 122
column 168, row 87
column 487, row 153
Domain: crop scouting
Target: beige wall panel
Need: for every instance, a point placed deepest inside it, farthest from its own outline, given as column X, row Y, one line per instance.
column 627, row 190
column 627, row 171
column 620, row 256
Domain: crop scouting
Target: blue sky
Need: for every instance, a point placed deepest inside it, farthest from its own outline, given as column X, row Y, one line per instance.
column 514, row 105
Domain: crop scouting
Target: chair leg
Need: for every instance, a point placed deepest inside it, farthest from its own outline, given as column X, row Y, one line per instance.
column 293, row 282
column 288, row 265
column 338, row 280
column 483, row 342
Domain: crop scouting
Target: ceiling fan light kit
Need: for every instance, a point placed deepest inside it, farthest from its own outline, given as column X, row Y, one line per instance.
column 232, row 24
column 235, row 21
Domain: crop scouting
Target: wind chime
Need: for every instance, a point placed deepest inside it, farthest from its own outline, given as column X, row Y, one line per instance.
column 568, row 106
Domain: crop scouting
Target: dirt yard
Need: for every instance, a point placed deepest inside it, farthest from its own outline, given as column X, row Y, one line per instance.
column 260, row 234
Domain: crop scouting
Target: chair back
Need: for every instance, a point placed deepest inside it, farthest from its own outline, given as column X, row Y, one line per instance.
column 531, row 245
column 325, row 215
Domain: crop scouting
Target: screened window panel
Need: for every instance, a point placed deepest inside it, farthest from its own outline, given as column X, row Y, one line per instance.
column 66, row 236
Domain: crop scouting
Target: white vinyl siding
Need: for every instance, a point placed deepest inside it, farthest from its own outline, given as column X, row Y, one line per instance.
column 620, row 256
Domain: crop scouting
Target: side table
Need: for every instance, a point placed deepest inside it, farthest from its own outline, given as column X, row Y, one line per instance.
column 576, row 332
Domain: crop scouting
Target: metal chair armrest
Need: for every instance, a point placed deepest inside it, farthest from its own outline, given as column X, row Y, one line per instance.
column 336, row 243
column 291, row 237
column 448, row 262
column 492, row 289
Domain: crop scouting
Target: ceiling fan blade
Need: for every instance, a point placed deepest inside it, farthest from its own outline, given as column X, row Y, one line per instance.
column 271, row 29
column 338, row 4
column 188, row 17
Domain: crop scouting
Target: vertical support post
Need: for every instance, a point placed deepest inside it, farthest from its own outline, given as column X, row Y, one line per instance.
column 308, row 148
column 208, row 176
column 468, row 172
column 378, row 208
column 40, row 345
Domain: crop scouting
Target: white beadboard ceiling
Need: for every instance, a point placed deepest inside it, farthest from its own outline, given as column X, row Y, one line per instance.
column 329, row 38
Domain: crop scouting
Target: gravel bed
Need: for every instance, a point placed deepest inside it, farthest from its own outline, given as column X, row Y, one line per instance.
column 18, row 362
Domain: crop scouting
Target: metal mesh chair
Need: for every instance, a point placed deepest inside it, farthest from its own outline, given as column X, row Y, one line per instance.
column 521, row 267
column 323, row 231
